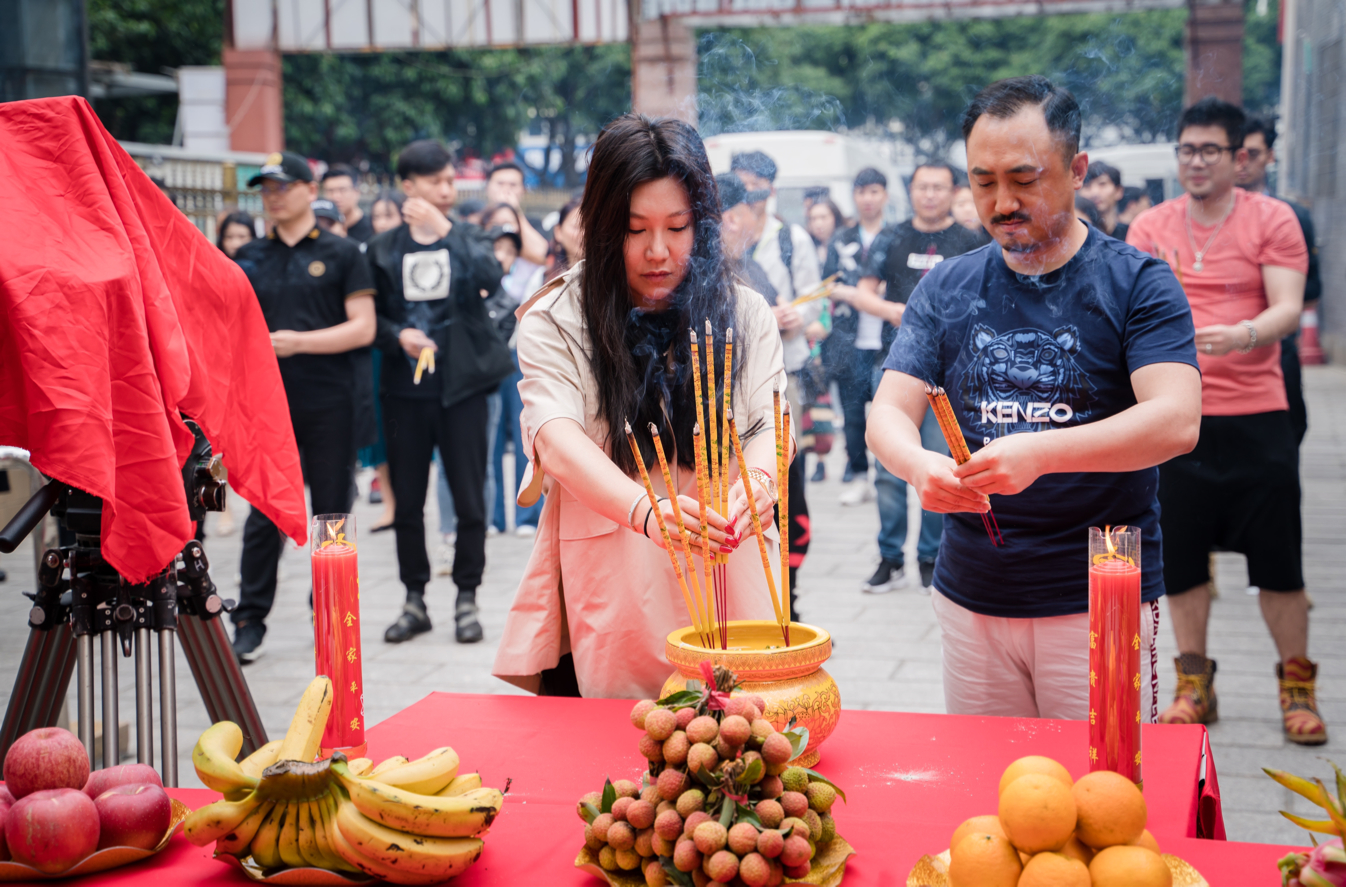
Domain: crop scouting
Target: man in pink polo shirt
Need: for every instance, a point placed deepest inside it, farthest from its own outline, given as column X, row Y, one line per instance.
column 1242, row 260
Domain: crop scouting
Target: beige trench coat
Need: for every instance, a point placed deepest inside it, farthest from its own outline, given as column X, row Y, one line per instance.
column 592, row 587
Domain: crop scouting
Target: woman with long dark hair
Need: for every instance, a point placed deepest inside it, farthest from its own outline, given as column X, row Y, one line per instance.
column 607, row 343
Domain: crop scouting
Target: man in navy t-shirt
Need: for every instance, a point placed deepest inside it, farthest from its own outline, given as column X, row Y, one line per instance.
column 1070, row 363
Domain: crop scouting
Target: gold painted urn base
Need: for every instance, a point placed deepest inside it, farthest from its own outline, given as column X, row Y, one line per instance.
column 791, row 679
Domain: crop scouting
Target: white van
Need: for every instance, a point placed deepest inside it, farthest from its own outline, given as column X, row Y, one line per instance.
column 815, row 158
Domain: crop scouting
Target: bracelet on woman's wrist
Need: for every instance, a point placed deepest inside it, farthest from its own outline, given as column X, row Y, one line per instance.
column 1252, row 336
column 631, row 512
column 646, row 525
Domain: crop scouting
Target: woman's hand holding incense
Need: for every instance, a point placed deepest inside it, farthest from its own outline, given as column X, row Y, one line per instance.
column 940, row 489
column 1007, row 465
column 738, row 508
column 720, row 540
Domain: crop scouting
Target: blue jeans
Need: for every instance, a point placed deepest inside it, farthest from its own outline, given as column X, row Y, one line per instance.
column 892, row 496
column 509, row 432
column 448, row 518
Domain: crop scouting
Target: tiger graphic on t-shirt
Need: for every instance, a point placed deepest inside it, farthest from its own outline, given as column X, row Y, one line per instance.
column 1024, row 380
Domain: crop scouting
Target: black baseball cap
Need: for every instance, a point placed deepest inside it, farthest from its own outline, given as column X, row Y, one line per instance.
column 733, row 192
column 326, row 209
column 283, row 166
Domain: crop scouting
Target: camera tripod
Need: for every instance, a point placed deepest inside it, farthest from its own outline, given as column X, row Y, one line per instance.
column 80, row 597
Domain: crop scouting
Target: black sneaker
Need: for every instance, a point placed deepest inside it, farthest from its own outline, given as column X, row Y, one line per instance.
column 467, row 628
column 819, row 472
column 412, row 622
column 248, row 646
column 927, row 575
column 888, row 577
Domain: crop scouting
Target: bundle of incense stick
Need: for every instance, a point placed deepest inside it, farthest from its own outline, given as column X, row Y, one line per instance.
column 425, row 362
column 821, row 291
column 702, row 628
column 953, row 435
column 782, row 417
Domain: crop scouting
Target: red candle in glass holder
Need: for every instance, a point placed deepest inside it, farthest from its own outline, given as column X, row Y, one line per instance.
column 1114, row 651
column 336, row 630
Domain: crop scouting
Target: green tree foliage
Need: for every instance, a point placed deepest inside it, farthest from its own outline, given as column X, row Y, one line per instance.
column 365, row 107
column 150, row 35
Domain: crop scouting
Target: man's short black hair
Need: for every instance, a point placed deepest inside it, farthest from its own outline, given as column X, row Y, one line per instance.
column 869, row 176
column 1098, row 169
column 502, row 166
column 1005, row 98
column 937, row 164
column 755, row 162
column 1265, row 125
column 337, row 170
column 423, row 157
column 1086, row 206
column 1130, row 194
column 1211, row 111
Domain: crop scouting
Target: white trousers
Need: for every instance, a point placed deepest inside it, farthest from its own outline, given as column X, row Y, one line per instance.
column 1030, row 668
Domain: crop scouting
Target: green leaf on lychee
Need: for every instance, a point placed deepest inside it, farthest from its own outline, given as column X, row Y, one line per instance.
column 682, row 879
column 706, row 778
column 815, row 776
column 753, row 772
column 727, row 812
column 609, row 797
column 681, row 699
column 799, row 740
column 588, row 812
column 746, row 814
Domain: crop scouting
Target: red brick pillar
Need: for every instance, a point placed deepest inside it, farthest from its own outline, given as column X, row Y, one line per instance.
column 663, row 69
column 1214, row 51
column 253, row 101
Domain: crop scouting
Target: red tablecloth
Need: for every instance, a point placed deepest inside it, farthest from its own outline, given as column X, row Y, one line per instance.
column 910, row 780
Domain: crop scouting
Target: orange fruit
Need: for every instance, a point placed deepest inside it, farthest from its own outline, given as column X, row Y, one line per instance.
column 1077, row 849
column 1120, row 866
column 1147, row 841
column 987, row 825
column 1034, row 764
column 982, row 860
column 1054, row 870
column 1037, row 813
column 1111, row 809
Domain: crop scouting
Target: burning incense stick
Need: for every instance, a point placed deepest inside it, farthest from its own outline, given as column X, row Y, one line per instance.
column 712, row 426
column 821, row 291
column 425, row 362
column 953, row 435
column 698, row 616
column 663, row 528
column 756, row 524
column 724, row 419
column 783, row 509
column 702, row 487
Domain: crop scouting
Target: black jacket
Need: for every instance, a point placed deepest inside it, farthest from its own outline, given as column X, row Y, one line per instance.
column 472, row 357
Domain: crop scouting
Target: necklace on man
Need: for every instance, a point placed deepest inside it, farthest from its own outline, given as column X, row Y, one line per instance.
column 1191, row 238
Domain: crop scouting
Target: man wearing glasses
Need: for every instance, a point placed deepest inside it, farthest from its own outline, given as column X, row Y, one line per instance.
column 317, row 296
column 1242, row 259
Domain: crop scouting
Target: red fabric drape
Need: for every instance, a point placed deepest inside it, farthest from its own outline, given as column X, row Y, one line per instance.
column 118, row 314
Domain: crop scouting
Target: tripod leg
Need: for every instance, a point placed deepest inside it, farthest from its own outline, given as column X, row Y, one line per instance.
column 40, row 684
column 223, row 687
column 144, row 700
column 168, row 708
column 84, row 647
column 111, row 727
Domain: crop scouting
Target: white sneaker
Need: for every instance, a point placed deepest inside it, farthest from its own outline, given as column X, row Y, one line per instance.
column 491, row 531
column 858, row 493
column 444, row 555
column 525, row 531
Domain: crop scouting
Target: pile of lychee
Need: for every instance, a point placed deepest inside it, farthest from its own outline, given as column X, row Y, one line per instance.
column 719, row 804
column 1051, row 831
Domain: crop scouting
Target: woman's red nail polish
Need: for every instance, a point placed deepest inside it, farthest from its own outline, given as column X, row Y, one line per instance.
column 725, row 549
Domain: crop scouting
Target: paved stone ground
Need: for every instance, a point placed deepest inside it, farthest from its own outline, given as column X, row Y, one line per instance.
column 888, row 653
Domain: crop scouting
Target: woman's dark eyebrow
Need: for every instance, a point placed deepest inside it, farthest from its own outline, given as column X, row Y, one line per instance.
column 681, row 212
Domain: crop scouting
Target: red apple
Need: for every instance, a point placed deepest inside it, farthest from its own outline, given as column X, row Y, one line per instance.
column 123, row 774
column 52, row 830
column 133, row 816
column 6, row 797
column 44, row 759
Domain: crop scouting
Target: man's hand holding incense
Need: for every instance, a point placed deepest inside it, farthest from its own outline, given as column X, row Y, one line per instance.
column 1007, row 465
column 940, row 490
column 413, row 340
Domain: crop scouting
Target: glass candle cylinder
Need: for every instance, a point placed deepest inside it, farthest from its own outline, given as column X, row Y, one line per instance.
column 1114, row 651
column 336, row 630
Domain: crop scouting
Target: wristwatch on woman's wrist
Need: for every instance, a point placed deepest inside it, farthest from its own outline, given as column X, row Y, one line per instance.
column 764, row 480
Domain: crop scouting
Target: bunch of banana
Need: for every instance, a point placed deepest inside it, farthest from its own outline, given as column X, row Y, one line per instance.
column 408, row 822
